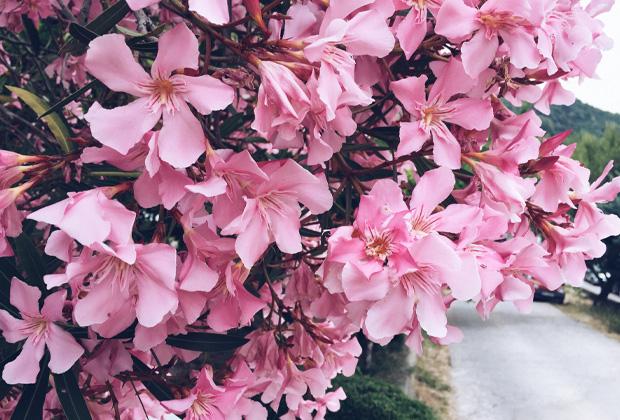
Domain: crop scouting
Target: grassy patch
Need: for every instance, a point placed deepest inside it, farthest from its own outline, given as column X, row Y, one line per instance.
column 603, row 317
column 431, row 379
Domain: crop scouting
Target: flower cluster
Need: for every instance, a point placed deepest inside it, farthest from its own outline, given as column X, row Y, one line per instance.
column 252, row 189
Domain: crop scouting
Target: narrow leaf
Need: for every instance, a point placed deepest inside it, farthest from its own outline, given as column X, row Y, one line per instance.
column 159, row 389
column 30, row 405
column 70, row 396
column 30, row 260
column 54, row 122
column 82, row 33
column 100, row 25
column 60, row 104
column 206, row 342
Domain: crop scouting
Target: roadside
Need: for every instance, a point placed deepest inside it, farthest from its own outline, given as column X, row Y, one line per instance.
column 604, row 317
column 431, row 380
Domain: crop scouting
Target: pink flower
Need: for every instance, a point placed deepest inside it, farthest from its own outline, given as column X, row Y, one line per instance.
column 112, row 293
column 109, row 223
column 282, row 104
column 508, row 19
column 206, row 400
column 230, row 304
column 39, row 329
column 412, row 29
column 161, row 94
column 430, row 115
column 272, row 211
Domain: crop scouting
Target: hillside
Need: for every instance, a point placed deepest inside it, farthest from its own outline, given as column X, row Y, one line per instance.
column 579, row 117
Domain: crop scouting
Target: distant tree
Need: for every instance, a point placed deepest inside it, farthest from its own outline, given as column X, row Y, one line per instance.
column 595, row 152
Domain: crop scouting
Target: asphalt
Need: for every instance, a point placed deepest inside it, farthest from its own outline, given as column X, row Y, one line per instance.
column 539, row 366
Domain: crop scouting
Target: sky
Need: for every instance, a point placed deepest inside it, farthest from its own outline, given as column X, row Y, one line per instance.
column 604, row 92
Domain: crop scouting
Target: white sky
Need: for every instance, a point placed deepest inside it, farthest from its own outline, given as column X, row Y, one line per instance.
column 604, row 92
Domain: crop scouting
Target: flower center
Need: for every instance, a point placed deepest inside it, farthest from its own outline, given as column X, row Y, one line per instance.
column 501, row 20
column 379, row 245
column 164, row 93
column 202, row 405
column 35, row 326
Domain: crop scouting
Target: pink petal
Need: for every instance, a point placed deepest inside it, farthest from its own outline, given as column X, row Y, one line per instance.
column 159, row 262
column 410, row 33
column 59, row 245
column 478, row 53
column 25, row 368
column 207, row 93
column 431, row 313
column 358, row 287
column 390, row 315
column 177, row 49
column 180, row 406
column 215, row 11
column 122, row 127
column 431, row 190
column 471, row 114
column 253, row 241
column 52, row 306
column 446, row 148
column 368, row 34
column 455, row 19
column 212, row 187
column 12, row 328
column 411, row 92
column 412, row 138
column 154, row 301
column 25, row 297
column 181, row 141
column 110, row 60
column 198, row 276
column 64, row 350
column 140, row 4
column 285, row 228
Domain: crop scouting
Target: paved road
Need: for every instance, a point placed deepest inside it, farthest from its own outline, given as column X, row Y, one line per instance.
column 541, row 366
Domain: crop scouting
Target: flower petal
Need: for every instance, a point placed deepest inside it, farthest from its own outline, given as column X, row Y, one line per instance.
column 177, row 49
column 110, row 60
column 122, row 127
column 181, row 140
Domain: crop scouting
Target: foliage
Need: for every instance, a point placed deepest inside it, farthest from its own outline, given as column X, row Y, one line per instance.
column 373, row 399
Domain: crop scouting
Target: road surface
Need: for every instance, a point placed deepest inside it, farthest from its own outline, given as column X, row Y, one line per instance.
column 541, row 366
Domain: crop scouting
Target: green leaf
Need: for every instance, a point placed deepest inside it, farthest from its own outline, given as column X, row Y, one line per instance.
column 82, row 33
column 206, row 342
column 54, row 122
column 70, row 396
column 30, row 405
column 159, row 389
column 100, row 25
column 30, row 260
column 60, row 104
column 231, row 124
column 4, row 387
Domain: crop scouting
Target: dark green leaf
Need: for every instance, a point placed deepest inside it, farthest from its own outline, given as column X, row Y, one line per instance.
column 144, row 46
column 33, row 34
column 60, row 104
column 159, row 389
column 4, row 387
column 70, row 396
column 206, row 342
column 82, row 33
column 230, row 125
column 309, row 233
column 100, row 25
column 30, row 405
column 30, row 260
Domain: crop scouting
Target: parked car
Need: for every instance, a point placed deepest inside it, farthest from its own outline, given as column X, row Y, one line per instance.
column 544, row 295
